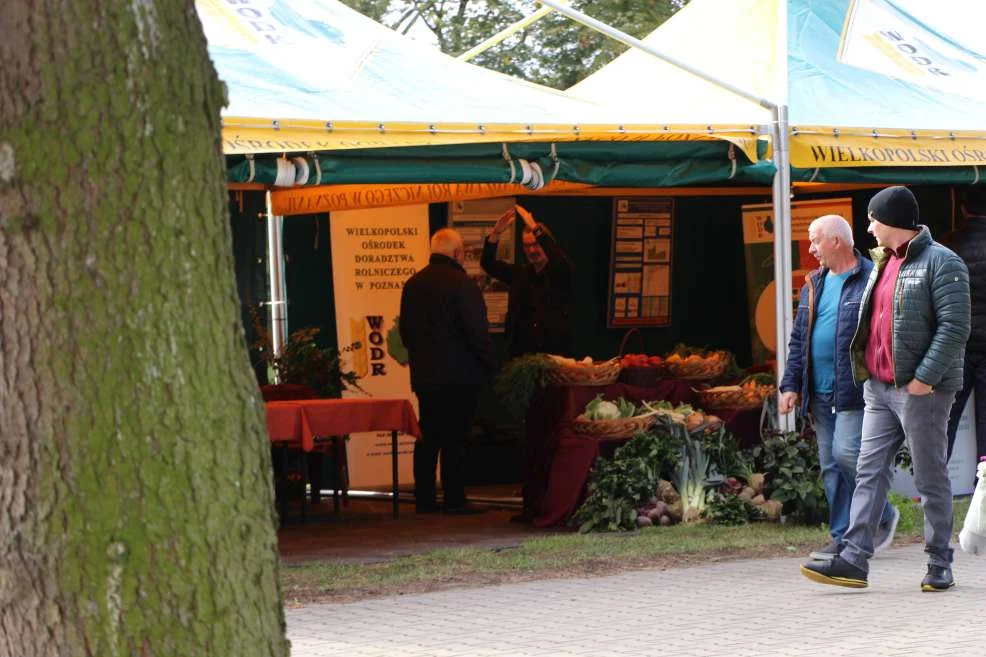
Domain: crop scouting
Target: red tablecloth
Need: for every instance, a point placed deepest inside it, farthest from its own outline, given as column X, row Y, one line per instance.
column 558, row 462
column 307, row 419
column 283, row 421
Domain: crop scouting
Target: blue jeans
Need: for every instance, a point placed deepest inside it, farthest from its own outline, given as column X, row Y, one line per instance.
column 839, row 436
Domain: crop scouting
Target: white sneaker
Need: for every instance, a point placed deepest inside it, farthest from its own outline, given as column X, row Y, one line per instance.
column 883, row 537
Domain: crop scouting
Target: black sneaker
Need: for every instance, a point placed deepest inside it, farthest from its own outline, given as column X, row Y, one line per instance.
column 939, row 578
column 837, row 572
column 831, row 549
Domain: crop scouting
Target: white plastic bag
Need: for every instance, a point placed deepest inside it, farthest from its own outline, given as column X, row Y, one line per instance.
column 972, row 538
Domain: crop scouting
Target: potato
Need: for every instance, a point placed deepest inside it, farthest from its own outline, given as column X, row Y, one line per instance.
column 644, row 521
column 661, row 508
column 758, row 500
column 665, row 521
column 746, row 494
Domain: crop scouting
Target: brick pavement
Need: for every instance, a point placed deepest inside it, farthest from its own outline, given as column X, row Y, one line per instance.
column 741, row 608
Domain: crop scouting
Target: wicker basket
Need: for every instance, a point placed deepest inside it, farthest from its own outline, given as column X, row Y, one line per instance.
column 738, row 398
column 702, row 370
column 643, row 377
column 624, row 427
column 597, row 374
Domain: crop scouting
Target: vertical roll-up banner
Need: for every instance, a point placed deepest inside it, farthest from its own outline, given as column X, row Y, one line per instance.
column 758, row 240
column 373, row 253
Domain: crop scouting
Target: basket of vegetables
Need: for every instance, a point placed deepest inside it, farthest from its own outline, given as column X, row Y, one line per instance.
column 696, row 364
column 749, row 393
column 639, row 369
column 585, row 372
column 612, row 419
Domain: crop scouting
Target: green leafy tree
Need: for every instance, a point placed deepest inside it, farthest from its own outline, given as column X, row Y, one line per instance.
column 555, row 51
column 136, row 504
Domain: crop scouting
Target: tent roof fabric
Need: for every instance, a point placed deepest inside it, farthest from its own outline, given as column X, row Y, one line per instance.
column 825, row 89
column 853, row 73
column 310, row 75
column 733, row 40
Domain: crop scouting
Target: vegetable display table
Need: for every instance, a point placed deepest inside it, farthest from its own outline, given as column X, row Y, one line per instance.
column 558, row 462
column 310, row 421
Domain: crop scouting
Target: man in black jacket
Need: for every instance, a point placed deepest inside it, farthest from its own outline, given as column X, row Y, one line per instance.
column 540, row 291
column 969, row 242
column 443, row 325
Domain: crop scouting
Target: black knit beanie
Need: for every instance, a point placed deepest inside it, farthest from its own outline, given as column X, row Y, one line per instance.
column 895, row 206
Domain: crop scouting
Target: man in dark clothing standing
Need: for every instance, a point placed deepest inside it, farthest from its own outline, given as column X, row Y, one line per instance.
column 540, row 291
column 443, row 325
column 969, row 242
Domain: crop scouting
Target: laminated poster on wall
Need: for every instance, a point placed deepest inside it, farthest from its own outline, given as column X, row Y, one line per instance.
column 640, row 262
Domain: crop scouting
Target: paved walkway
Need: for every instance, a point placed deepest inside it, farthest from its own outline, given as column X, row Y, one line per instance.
column 756, row 608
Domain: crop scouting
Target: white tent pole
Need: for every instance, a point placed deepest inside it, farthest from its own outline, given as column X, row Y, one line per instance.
column 275, row 261
column 633, row 42
column 510, row 30
column 783, row 291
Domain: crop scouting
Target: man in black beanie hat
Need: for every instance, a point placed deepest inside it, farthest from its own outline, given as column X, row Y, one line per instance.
column 913, row 325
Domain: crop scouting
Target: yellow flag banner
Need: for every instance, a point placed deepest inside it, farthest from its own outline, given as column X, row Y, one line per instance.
column 822, row 148
column 333, row 198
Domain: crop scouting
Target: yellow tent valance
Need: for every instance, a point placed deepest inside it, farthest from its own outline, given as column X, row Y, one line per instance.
column 245, row 135
column 823, row 147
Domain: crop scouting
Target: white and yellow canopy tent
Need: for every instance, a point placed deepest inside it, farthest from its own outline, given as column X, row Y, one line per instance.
column 331, row 110
column 354, row 103
column 868, row 85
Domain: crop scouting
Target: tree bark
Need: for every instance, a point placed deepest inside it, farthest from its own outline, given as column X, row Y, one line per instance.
column 136, row 505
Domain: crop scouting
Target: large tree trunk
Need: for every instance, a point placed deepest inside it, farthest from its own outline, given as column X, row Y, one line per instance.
column 136, row 510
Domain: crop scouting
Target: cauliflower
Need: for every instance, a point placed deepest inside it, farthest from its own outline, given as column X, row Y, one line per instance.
column 600, row 409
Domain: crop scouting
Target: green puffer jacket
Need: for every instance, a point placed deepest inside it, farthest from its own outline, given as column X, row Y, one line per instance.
column 931, row 315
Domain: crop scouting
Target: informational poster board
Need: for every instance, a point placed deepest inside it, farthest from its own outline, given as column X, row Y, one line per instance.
column 640, row 262
column 374, row 252
column 474, row 219
column 758, row 241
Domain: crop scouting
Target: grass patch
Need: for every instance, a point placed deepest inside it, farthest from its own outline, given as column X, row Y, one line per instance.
column 549, row 556
column 571, row 555
column 912, row 517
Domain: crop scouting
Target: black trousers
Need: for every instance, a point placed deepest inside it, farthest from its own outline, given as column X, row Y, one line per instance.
column 446, row 417
column 974, row 377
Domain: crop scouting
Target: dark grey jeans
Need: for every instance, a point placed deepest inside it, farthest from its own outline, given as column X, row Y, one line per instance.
column 891, row 417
